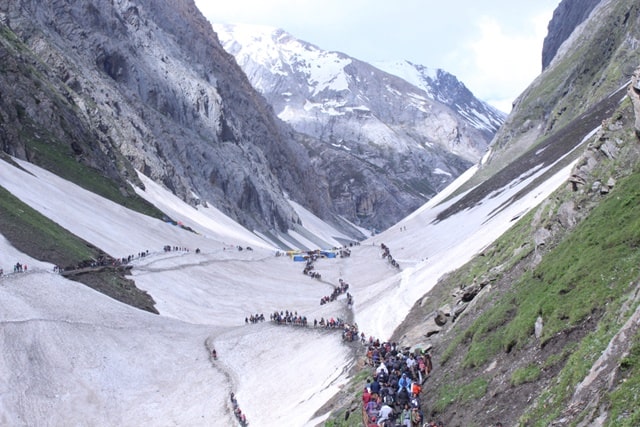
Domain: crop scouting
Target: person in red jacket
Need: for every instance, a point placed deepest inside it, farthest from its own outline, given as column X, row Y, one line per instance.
column 366, row 396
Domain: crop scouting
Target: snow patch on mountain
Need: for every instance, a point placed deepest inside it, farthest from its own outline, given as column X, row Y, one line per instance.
column 278, row 50
column 407, row 71
column 444, row 87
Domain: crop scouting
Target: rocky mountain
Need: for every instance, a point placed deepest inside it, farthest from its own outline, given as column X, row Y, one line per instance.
column 444, row 87
column 145, row 85
column 114, row 88
column 567, row 16
column 389, row 138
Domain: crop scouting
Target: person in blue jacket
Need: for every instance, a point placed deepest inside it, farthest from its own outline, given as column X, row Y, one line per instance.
column 404, row 382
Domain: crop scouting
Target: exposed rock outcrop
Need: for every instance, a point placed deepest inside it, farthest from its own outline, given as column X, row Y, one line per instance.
column 567, row 16
column 146, row 85
column 634, row 94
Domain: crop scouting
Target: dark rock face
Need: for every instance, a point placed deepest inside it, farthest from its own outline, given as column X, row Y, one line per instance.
column 145, row 85
column 567, row 16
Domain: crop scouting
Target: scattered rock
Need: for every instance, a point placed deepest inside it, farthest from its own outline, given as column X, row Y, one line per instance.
column 634, row 95
column 458, row 310
column 471, row 292
column 538, row 327
column 440, row 319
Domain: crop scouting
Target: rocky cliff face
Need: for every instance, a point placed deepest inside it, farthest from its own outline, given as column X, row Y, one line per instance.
column 387, row 144
column 146, row 85
column 567, row 16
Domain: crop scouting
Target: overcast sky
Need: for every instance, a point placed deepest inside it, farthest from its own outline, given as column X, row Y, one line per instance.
column 493, row 46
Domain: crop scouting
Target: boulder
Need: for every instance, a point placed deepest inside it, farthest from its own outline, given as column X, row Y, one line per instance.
column 470, row 292
column 634, row 95
column 440, row 319
column 457, row 311
column 537, row 327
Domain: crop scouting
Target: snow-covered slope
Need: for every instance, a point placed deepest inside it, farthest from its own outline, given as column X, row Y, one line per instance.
column 73, row 356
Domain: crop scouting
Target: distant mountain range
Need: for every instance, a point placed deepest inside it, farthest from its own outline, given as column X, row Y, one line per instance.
column 393, row 134
column 307, row 85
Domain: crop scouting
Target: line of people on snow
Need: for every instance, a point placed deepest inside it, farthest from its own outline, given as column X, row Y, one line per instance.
column 240, row 416
column 17, row 268
column 169, row 248
column 240, row 248
column 254, row 318
column 345, row 253
column 129, row 258
column 308, row 269
column 337, row 291
column 330, row 323
column 288, row 318
column 386, row 253
column 242, row 419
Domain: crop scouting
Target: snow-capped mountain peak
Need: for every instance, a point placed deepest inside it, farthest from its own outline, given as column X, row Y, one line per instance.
column 390, row 140
column 444, row 87
column 282, row 54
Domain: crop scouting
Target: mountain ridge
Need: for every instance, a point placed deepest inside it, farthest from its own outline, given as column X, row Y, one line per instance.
column 170, row 105
column 412, row 144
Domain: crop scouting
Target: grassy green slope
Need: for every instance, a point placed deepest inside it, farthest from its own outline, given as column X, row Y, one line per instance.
column 583, row 284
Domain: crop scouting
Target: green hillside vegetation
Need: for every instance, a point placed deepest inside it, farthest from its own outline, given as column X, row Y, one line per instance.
column 588, row 278
column 57, row 157
column 583, row 284
column 36, row 235
column 594, row 266
column 584, row 289
column 593, row 273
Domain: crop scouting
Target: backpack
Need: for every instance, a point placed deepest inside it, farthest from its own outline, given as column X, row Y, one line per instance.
column 415, row 388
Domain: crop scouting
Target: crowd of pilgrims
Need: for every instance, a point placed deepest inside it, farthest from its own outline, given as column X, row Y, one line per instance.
column 292, row 318
column 386, row 253
column 288, row 318
column 391, row 396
